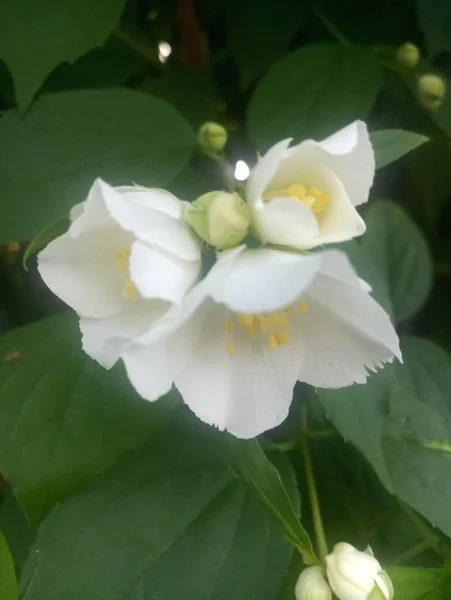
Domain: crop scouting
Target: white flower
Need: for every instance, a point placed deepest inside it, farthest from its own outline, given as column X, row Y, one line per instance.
column 258, row 322
column 306, row 195
column 355, row 575
column 312, row 585
column 125, row 259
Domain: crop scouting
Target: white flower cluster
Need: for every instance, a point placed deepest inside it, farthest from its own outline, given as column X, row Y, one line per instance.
column 350, row 574
column 233, row 340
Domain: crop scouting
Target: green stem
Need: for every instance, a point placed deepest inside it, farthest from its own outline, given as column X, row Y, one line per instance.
column 430, row 537
column 313, row 494
column 229, row 180
column 141, row 49
column 413, row 552
column 331, row 28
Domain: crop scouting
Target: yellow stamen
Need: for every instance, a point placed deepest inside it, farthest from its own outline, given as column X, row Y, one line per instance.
column 227, row 325
column 123, row 257
column 130, row 292
column 303, row 307
column 296, row 190
column 230, row 349
column 281, row 337
column 314, row 198
column 272, row 342
column 245, row 320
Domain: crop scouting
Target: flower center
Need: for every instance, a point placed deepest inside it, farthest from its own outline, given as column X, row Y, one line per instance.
column 313, row 198
column 273, row 325
column 122, row 257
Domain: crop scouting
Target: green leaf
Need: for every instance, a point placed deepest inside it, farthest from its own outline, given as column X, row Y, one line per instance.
column 312, row 92
column 253, row 468
column 401, row 255
column 8, row 583
column 191, row 91
column 113, row 65
column 368, row 271
column 63, row 419
column 434, row 19
column 43, row 238
column 119, row 135
column 273, row 27
column 411, row 583
column 401, row 421
column 35, row 37
column 168, row 522
column 391, row 144
column 15, row 528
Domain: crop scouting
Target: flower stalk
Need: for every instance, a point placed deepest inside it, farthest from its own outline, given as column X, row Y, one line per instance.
column 313, row 493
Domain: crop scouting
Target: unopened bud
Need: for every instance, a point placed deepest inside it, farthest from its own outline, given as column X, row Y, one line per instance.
column 357, row 575
column 312, row 585
column 431, row 91
column 220, row 218
column 408, row 55
column 212, row 137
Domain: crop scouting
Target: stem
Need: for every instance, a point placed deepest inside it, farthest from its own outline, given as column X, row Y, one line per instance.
column 430, row 537
column 331, row 28
column 313, row 494
column 229, row 180
column 141, row 49
column 412, row 552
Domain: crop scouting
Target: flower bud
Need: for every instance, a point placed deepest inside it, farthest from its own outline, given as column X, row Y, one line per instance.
column 312, row 585
column 211, row 138
column 408, row 55
column 219, row 218
column 355, row 575
column 431, row 91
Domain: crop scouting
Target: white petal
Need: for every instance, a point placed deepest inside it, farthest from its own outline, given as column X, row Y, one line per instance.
column 83, row 271
column 153, row 367
column 246, row 394
column 92, row 213
column 265, row 280
column 340, row 221
column 284, row 221
column 346, row 332
column 158, row 274
column 151, row 226
column 155, row 198
column 348, row 153
column 264, row 171
column 103, row 339
column 179, row 315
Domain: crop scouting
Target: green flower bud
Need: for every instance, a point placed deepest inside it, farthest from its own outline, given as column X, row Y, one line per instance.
column 431, row 91
column 220, row 218
column 312, row 585
column 211, row 137
column 408, row 55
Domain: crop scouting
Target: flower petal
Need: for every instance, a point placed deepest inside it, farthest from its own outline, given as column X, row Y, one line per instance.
column 286, row 222
column 91, row 213
column 152, row 368
column 155, row 198
column 83, row 271
column 264, row 171
column 346, row 332
column 265, row 280
column 246, row 394
column 348, row 153
column 340, row 221
column 156, row 228
column 103, row 339
column 158, row 274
